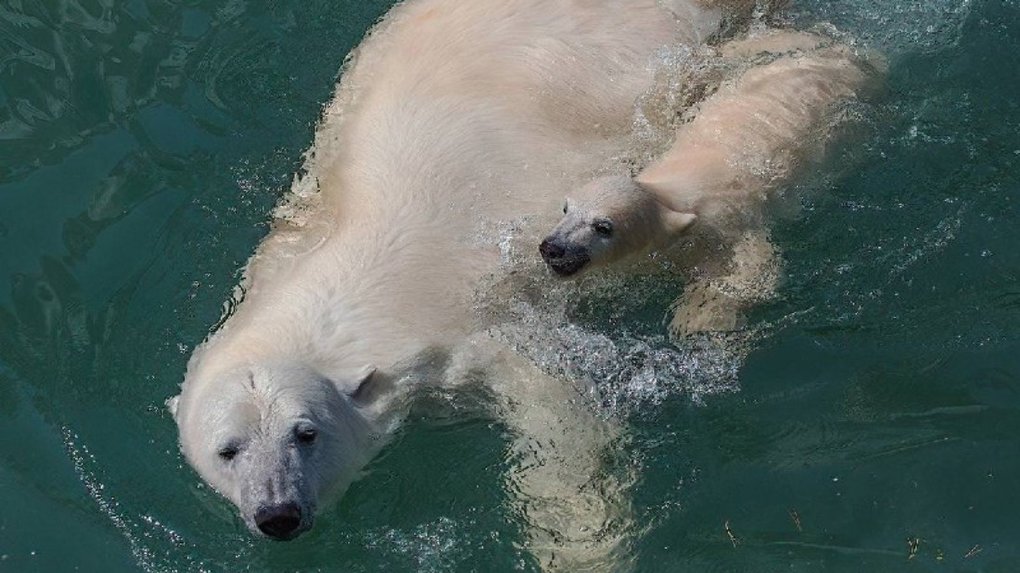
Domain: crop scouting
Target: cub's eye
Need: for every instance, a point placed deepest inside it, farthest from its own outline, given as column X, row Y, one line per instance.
column 228, row 453
column 306, row 434
column 603, row 227
column 564, row 208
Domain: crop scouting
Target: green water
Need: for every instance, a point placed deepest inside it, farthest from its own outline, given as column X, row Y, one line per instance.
column 144, row 142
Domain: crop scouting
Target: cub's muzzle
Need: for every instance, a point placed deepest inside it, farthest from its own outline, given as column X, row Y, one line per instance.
column 563, row 259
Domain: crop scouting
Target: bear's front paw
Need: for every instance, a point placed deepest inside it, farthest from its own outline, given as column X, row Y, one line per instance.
column 705, row 310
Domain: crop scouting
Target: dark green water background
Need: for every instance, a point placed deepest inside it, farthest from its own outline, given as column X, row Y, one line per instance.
column 144, row 142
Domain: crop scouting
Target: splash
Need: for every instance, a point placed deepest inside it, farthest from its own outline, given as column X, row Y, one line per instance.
column 616, row 363
column 432, row 547
column 683, row 76
column 144, row 533
column 892, row 27
column 628, row 372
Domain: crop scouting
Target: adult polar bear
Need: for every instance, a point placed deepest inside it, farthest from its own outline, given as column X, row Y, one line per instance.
column 452, row 117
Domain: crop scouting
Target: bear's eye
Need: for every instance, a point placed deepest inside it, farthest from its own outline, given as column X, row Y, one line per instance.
column 564, row 208
column 228, row 453
column 306, row 434
column 603, row 227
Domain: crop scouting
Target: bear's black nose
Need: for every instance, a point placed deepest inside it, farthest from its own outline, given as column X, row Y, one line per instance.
column 551, row 249
column 279, row 521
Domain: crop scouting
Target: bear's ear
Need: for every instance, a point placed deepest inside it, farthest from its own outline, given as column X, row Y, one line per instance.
column 171, row 404
column 677, row 222
column 363, row 382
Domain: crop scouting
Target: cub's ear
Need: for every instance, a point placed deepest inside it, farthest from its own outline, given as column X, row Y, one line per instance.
column 171, row 404
column 677, row 222
column 364, row 380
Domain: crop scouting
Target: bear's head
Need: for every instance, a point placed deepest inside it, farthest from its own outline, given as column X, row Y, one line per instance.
column 274, row 439
column 609, row 219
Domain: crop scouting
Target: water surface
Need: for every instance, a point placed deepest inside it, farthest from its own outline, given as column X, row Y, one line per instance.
column 873, row 424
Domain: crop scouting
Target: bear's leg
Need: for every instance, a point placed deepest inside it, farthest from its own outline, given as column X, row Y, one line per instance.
column 575, row 509
column 715, row 303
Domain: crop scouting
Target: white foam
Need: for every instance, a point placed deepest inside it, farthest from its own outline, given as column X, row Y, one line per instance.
column 155, row 546
column 892, row 27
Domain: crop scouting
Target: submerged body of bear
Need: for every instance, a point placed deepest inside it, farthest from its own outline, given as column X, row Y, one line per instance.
column 452, row 118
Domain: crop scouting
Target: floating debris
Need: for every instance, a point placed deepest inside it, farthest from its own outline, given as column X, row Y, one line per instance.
column 913, row 543
column 729, row 533
column 796, row 519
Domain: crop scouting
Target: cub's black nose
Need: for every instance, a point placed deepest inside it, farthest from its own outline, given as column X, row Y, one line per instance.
column 279, row 521
column 551, row 249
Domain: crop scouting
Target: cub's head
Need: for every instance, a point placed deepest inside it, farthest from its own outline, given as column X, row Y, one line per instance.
column 274, row 439
column 610, row 218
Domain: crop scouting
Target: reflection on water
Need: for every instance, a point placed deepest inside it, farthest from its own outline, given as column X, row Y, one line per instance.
column 143, row 144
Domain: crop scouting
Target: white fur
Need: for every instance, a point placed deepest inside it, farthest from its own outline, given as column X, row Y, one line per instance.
column 744, row 141
column 451, row 117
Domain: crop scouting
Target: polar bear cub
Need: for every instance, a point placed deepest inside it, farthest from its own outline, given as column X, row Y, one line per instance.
column 745, row 140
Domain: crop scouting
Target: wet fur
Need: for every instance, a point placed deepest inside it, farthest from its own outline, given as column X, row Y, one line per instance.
column 451, row 116
column 744, row 141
